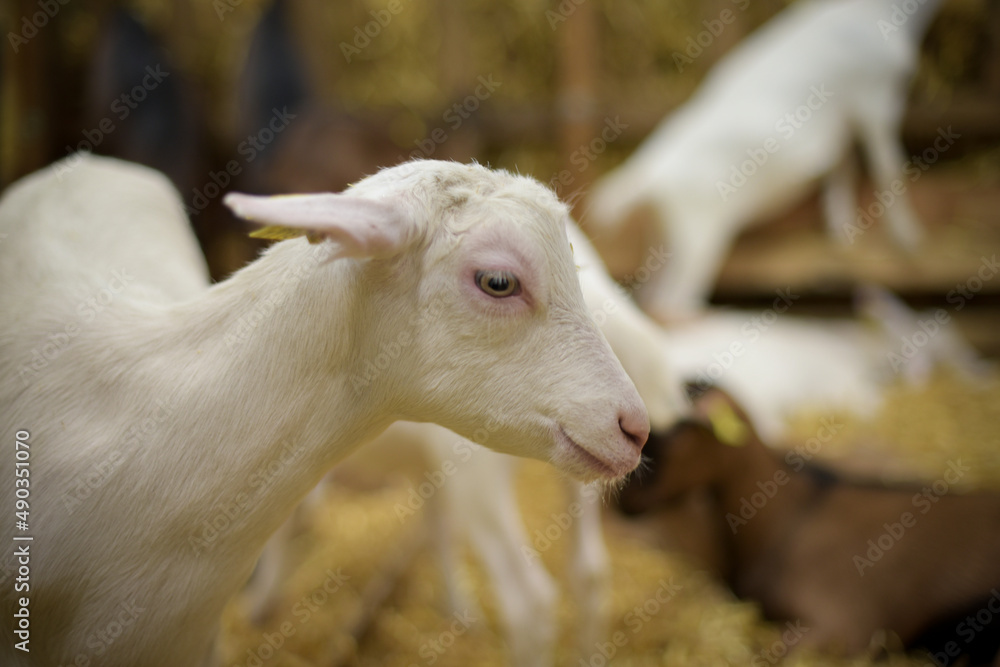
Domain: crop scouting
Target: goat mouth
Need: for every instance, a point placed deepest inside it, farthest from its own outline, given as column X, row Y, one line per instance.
column 581, row 455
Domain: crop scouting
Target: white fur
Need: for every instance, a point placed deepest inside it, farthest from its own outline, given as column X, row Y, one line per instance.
column 636, row 339
column 776, row 365
column 219, row 407
column 832, row 54
column 477, row 500
column 792, row 364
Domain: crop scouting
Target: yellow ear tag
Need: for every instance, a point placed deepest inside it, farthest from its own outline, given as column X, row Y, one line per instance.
column 279, row 233
column 728, row 428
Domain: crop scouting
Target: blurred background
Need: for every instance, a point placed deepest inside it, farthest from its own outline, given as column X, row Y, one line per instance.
column 305, row 95
column 527, row 85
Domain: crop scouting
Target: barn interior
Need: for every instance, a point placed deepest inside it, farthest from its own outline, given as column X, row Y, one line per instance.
column 305, row 96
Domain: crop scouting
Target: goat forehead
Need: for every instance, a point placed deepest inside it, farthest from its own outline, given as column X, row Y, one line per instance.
column 449, row 200
column 515, row 200
column 439, row 187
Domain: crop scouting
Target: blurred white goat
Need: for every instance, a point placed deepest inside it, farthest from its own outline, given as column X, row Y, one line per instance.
column 775, row 115
column 777, row 364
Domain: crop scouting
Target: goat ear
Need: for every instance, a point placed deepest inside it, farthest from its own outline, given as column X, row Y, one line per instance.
column 719, row 412
column 727, row 426
column 360, row 227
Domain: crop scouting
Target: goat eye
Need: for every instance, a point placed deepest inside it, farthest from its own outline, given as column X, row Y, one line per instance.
column 498, row 284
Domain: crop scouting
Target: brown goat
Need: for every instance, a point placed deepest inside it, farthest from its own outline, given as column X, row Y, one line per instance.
column 844, row 557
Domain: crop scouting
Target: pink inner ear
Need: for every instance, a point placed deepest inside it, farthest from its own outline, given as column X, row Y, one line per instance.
column 362, row 227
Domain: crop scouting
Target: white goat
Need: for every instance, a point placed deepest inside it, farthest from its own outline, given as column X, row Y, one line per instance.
column 195, row 419
column 774, row 115
column 783, row 366
column 778, row 364
column 477, row 499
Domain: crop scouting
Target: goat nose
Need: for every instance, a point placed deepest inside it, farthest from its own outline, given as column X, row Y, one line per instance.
column 635, row 425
